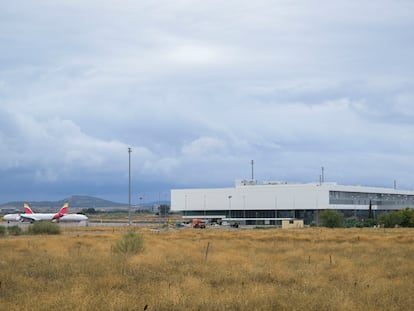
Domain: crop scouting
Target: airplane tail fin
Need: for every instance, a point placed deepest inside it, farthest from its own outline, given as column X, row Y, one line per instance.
column 64, row 209
column 27, row 209
column 61, row 212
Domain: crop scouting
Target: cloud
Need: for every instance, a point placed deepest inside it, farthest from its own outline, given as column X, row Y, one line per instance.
column 198, row 89
column 204, row 147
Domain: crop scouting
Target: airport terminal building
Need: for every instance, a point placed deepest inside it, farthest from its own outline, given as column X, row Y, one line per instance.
column 250, row 203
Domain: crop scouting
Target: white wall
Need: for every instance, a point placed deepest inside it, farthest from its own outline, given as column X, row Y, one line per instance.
column 257, row 197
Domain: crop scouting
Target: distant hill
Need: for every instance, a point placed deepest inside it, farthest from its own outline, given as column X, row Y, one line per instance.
column 75, row 201
column 82, row 201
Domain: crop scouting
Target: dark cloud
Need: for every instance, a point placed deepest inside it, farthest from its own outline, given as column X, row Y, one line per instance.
column 198, row 89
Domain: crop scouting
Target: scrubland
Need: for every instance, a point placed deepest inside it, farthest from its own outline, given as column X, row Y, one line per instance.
column 212, row 269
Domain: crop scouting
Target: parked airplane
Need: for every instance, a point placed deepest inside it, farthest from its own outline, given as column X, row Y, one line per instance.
column 32, row 217
column 72, row 218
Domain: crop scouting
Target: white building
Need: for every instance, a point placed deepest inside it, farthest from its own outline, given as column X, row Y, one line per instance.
column 268, row 204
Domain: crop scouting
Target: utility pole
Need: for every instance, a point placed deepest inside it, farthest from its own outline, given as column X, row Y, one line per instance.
column 229, row 205
column 252, row 169
column 129, row 186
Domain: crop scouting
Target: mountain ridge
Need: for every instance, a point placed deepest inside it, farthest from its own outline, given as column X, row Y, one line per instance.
column 75, row 201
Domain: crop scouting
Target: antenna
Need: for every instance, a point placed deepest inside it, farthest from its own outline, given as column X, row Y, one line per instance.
column 322, row 175
column 129, row 185
column 252, row 169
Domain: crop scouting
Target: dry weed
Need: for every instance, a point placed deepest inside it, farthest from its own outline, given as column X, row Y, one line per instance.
column 310, row 269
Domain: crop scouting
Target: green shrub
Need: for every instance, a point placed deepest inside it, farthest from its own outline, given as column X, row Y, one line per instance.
column 44, row 227
column 2, row 230
column 14, row 230
column 407, row 217
column 403, row 218
column 390, row 220
column 369, row 223
column 352, row 222
column 332, row 219
column 131, row 243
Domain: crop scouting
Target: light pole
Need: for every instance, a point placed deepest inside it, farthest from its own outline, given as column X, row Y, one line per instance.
column 185, row 206
column 204, row 205
column 244, row 208
column 129, row 186
column 229, row 205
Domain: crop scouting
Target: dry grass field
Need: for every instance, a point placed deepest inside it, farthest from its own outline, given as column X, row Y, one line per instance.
column 275, row 269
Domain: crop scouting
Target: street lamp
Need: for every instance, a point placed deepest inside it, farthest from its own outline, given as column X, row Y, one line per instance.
column 129, row 186
column 141, row 207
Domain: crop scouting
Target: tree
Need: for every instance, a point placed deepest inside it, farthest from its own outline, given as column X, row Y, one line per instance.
column 89, row 210
column 403, row 218
column 407, row 217
column 332, row 219
column 370, row 213
column 390, row 220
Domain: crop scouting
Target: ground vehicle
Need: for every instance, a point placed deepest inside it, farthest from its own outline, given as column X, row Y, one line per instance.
column 199, row 223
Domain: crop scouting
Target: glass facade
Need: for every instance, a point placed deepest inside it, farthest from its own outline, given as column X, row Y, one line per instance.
column 378, row 199
column 258, row 217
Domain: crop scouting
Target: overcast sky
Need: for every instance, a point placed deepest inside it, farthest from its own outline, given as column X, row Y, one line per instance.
column 198, row 89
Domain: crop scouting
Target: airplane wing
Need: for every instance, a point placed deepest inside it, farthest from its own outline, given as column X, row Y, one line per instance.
column 29, row 217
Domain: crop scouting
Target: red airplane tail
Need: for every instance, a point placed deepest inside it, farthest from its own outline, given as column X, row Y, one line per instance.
column 27, row 209
column 61, row 212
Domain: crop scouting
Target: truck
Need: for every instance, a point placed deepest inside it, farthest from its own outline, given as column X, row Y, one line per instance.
column 199, row 223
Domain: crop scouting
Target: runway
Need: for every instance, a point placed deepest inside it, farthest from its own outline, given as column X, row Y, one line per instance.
column 87, row 224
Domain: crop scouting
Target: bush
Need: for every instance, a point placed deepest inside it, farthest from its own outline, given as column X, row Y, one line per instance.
column 89, row 210
column 407, row 217
column 352, row 222
column 14, row 230
column 369, row 223
column 403, row 218
column 131, row 243
column 2, row 230
column 332, row 219
column 390, row 220
column 44, row 227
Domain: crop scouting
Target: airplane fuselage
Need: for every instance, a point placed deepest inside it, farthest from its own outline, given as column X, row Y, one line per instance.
column 30, row 216
column 11, row 217
column 73, row 217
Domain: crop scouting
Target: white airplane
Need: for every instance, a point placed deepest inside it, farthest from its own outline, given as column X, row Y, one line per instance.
column 32, row 217
column 72, row 218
